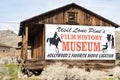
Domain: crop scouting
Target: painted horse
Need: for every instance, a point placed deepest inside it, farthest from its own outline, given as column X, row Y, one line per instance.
column 54, row 41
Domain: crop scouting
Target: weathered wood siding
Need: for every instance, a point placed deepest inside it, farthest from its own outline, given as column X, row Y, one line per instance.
column 61, row 17
column 38, row 45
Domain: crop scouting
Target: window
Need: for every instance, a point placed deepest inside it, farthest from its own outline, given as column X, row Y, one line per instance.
column 72, row 18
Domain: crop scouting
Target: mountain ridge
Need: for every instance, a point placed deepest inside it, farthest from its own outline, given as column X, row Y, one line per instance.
column 9, row 38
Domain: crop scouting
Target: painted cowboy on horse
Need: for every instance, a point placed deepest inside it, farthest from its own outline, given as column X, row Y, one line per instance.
column 54, row 41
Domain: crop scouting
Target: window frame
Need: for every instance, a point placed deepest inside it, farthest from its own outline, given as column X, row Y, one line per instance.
column 72, row 17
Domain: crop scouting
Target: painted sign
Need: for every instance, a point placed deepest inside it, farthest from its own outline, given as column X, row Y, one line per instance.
column 79, row 42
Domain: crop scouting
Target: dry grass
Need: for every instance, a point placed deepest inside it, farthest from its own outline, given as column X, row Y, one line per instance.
column 10, row 54
column 7, row 58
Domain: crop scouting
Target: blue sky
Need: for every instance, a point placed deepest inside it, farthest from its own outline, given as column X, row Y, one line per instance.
column 15, row 11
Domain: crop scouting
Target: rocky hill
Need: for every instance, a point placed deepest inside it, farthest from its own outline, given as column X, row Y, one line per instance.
column 9, row 38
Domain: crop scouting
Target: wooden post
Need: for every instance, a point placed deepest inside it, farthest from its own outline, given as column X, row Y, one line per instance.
column 43, row 42
column 26, row 41
column 22, row 46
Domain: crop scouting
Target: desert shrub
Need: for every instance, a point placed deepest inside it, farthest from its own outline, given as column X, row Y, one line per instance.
column 76, row 74
column 96, row 75
column 116, row 72
column 55, row 71
column 59, row 71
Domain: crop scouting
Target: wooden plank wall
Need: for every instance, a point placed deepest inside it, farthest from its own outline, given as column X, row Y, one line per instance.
column 38, row 46
column 83, row 18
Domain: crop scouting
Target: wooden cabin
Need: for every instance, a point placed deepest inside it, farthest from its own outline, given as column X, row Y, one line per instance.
column 33, row 31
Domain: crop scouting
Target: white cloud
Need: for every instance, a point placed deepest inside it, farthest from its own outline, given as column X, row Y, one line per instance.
column 10, row 26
